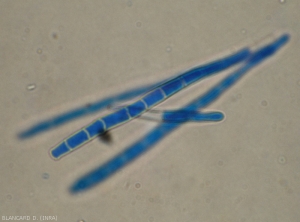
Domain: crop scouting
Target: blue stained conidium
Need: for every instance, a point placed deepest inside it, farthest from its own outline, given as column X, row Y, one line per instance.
column 145, row 103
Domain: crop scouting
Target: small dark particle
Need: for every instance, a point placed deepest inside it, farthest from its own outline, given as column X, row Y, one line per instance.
column 106, row 137
column 54, row 35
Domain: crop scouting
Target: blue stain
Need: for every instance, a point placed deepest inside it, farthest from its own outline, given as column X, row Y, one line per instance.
column 190, row 77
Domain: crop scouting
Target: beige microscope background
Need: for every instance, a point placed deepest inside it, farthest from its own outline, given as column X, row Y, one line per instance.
column 59, row 55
